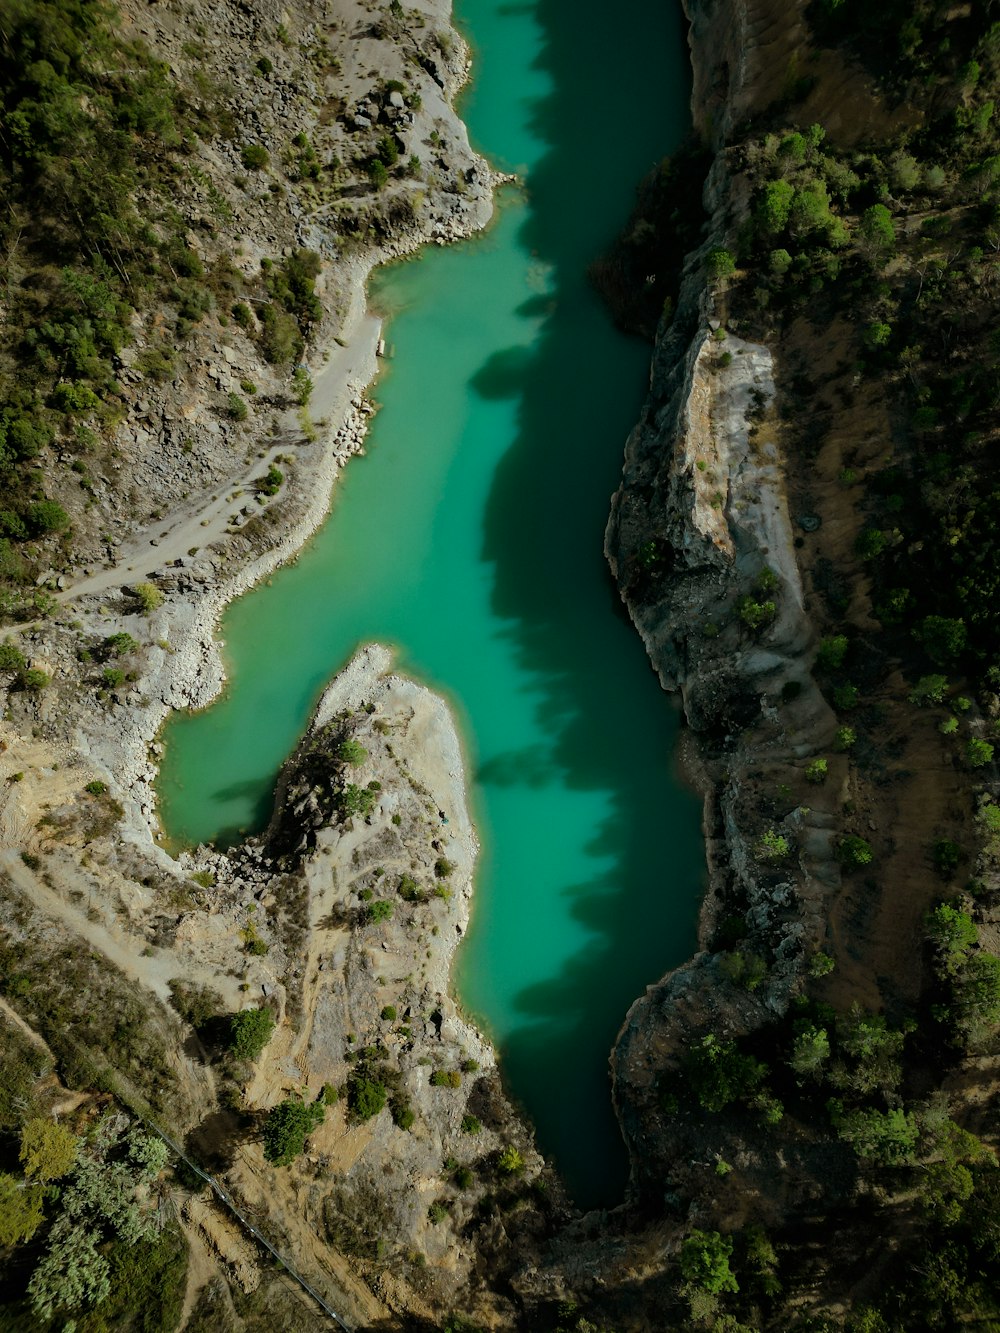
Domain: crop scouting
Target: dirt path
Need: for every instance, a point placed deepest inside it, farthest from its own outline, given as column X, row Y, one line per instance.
column 343, row 375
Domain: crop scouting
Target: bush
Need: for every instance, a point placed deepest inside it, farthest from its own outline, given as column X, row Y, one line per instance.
column 755, row 615
column 471, row 1124
column 831, row 652
column 286, row 1128
column 720, row 1073
column 510, row 1161
column 979, row 753
column 446, row 1078
column 953, row 934
column 946, row 856
column 270, row 483
column 388, row 1012
column 854, row 852
column 46, row 516
column 816, row 771
column 96, row 788
column 355, row 800
column 149, row 596
column 772, row 846
column 236, row 408
column 351, row 752
column 844, row 738
column 720, row 263
column 380, row 910
column 929, row 690
column 846, row 697
column 704, row 1260
column 254, row 156
column 366, row 1096
column 34, row 680
column 249, row 1032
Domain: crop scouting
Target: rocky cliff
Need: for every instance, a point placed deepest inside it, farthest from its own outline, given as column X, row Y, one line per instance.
column 702, row 545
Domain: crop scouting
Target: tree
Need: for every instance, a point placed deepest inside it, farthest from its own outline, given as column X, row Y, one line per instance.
column 704, row 1260
column 48, row 1149
column 953, row 933
column 72, row 1274
column 366, row 1096
column 249, row 1032
column 944, row 638
column 876, row 231
column 720, row 1073
column 831, row 652
column 929, row 690
column 774, row 207
column 286, row 1128
column 979, row 753
column 47, row 516
column 720, row 263
column 810, row 1052
column 888, row 1138
column 20, row 1210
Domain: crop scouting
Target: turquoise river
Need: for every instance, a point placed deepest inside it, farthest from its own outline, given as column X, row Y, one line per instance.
column 470, row 536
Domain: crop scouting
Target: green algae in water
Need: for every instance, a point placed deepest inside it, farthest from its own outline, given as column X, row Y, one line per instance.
column 470, row 536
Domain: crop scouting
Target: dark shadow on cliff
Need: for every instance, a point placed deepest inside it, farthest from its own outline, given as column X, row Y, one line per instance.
column 579, row 390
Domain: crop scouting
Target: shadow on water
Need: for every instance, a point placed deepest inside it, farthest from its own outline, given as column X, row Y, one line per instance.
column 610, row 729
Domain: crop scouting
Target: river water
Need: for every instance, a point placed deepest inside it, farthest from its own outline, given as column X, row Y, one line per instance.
column 470, row 537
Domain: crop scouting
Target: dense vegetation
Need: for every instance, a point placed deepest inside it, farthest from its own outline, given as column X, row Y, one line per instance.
column 98, row 141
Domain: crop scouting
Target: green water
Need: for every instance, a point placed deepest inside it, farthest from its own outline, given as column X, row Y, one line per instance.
column 470, row 536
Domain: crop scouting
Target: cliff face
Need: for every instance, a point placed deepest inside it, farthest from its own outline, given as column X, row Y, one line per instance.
column 702, row 545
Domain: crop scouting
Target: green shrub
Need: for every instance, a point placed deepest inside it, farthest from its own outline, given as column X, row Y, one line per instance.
column 270, row 483
column 816, row 771
column 46, row 516
column 286, row 1128
column 846, row 697
column 844, row 738
column 366, row 1096
column 854, row 852
column 351, row 752
column 978, row 753
column 254, row 156
column 755, row 615
column 380, row 910
column 929, row 690
column 704, row 1261
column 249, row 1032
column 96, row 788
column 236, row 408
column 510, row 1161
column 446, row 1078
column 946, row 855
column 720, row 263
column 471, row 1124
column 831, row 652
column 149, row 596
column 772, row 846
column 388, row 1012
